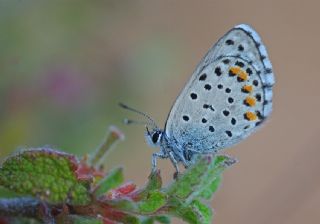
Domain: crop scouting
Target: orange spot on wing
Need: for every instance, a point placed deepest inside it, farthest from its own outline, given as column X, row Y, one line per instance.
column 247, row 88
column 250, row 101
column 250, row 116
column 243, row 75
column 236, row 70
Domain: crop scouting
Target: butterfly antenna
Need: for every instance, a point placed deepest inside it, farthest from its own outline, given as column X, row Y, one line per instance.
column 151, row 121
column 148, row 131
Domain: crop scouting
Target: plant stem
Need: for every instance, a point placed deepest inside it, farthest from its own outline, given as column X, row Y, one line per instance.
column 26, row 207
column 113, row 136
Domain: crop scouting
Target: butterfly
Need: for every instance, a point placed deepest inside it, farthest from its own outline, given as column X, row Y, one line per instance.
column 228, row 96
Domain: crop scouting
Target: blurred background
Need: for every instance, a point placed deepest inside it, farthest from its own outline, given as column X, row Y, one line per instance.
column 65, row 65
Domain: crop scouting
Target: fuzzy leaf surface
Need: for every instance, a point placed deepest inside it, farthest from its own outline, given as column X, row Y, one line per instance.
column 46, row 174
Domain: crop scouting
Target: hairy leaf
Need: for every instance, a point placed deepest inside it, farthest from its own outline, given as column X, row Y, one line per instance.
column 113, row 179
column 45, row 173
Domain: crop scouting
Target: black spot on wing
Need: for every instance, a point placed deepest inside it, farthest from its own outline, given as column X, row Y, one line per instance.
column 240, row 47
column 226, row 61
column 258, row 97
column 249, row 71
column 203, row 77
column 207, row 86
column 229, row 42
column 185, row 118
column 193, row 96
column 230, row 100
column 218, row 71
column 229, row 133
column 239, row 63
column 226, row 113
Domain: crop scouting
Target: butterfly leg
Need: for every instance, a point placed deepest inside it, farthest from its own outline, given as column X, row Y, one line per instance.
column 175, row 163
column 156, row 155
column 185, row 162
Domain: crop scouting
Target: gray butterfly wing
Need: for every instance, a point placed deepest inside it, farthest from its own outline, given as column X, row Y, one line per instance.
column 228, row 95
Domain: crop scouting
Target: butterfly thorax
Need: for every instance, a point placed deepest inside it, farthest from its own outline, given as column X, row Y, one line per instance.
column 179, row 152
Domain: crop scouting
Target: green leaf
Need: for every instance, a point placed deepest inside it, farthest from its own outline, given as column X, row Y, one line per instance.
column 112, row 180
column 198, row 182
column 148, row 220
column 162, row 219
column 186, row 183
column 203, row 212
column 124, row 218
column 211, row 188
column 212, row 178
column 195, row 213
column 154, row 183
column 46, row 174
column 128, row 219
column 77, row 219
column 125, row 204
column 202, row 178
column 152, row 202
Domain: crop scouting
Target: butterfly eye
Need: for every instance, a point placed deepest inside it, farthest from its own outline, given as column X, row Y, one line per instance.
column 155, row 137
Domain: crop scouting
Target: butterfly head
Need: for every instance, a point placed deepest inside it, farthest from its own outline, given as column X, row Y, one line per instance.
column 153, row 137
